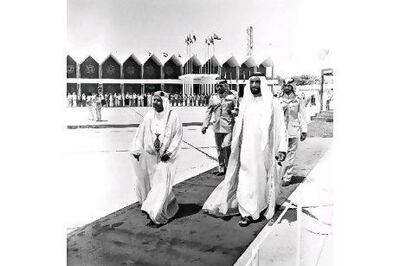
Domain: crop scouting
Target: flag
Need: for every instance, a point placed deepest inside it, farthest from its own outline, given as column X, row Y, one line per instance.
column 192, row 38
column 179, row 55
column 187, row 40
column 149, row 53
column 165, row 54
column 216, row 37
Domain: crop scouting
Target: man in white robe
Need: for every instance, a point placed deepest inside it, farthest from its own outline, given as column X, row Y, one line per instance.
column 259, row 144
column 155, row 149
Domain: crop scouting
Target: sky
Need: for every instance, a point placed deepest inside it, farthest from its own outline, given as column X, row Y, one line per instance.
column 296, row 34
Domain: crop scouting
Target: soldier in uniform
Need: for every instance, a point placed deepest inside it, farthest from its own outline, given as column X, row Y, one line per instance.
column 180, row 100
column 98, row 102
column 222, row 104
column 296, row 124
column 185, row 100
column 202, row 99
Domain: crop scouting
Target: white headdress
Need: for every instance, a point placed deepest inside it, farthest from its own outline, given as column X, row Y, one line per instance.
column 266, row 114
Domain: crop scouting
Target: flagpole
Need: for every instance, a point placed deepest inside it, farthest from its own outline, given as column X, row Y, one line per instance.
column 211, row 61
column 187, row 54
column 210, row 66
column 209, row 56
column 214, row 55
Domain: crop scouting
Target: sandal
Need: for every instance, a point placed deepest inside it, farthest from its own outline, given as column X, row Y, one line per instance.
column 245, row 221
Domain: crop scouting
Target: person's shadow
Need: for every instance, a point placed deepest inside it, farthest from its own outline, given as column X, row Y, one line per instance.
column 296, row 179
column 187, row 209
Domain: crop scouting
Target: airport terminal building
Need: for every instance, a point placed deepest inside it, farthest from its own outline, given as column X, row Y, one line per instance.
column 172, row 74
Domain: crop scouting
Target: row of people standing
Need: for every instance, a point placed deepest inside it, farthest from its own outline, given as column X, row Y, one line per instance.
column 135, row 100
column 128, row 100
column 197, row 99
column 111, row 99
column 79, row 100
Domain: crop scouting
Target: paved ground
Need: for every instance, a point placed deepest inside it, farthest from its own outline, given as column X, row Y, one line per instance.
column 127, row 116
column 101, row 183
column 314, row 223
column 101, row 174
column 192, row 238
column 320, row 129
column 190, row 116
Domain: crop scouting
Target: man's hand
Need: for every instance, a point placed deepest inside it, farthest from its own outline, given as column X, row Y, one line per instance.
column 281, row 156
column 303, row 136
column 235, row 112
column 203, row 130
column 136, row 156
column 165, row 158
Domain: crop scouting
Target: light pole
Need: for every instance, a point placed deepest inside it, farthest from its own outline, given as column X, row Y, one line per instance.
column 324, row 72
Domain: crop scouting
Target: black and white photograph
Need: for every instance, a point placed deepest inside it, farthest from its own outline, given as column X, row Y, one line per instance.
column 213, row 132
column 198, row 133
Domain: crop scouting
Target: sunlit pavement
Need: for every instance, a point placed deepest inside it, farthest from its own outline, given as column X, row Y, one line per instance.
column 315, row 240
column 100, row 174
column 79, row 116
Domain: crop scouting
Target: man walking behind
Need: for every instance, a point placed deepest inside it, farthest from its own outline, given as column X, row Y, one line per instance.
column 296, row 124
column 222, row 104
